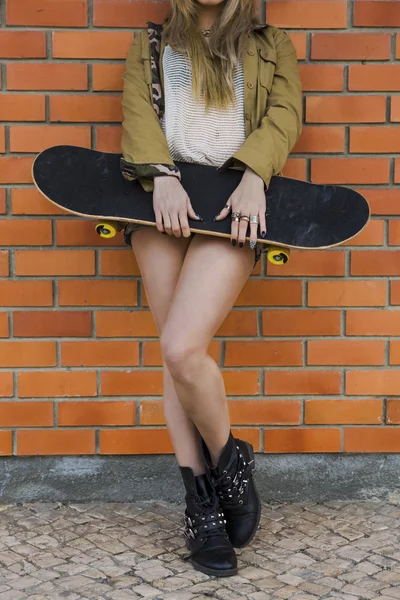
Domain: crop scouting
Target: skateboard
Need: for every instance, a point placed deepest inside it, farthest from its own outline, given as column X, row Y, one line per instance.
column 299, row 215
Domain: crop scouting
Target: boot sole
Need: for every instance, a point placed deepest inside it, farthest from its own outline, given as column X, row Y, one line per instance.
column 251, row 452
column 213, row 572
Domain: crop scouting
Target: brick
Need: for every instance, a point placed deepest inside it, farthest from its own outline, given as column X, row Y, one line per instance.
column 90, row 414
column 4, row 262
column 131, row 383
column 25, row 232
column 93, row 354
column 26, row 293
column 302, row 382
column 56, row 383
column 55, row 442
column 350, row 46
column 373, row 322
column 28, row 354
column 347, row 293
column 22, row 44
column 35, row 138
column 345, row 109
column 271, row 293
column 46, row 76
column 263, row 353
column 395, row 109
column 6, row 384
column 394, row 233
column 397, row 46
column 302, row 440
column 374, row 78
column 382, row 201
column 97, row 293
column 348, row 171
column 116, row 323
column 28, row 201
column 14, row 107
column 6, row 443
column 320, row 139
column 239, row 323
column 122, row 13
column 108, row 138
column 300, row 322
column 344, row 412
column 241, row 383
column 108, row 78
column 300, row 43
column 395, row 292
column 54, row 262
column 3, row 206
column 373, row 383
column 397, row 170
column 152, row 353
column 310, row 263
column 265, row 412
column 375, row 139
column 16, row 169
column 375, row 262
column 393, row 411
column 371, row 439
column 43, row 13
column 295, row 168
column 26, row 414
column 118, row 262
column 135, row 441
column 82, row 232
column 321, row 78
column 2, row 139
column 345, row 352
column 373, row 13
column 91, row 44
column 307, row 14
column 151, row 412
column 81, row 108
column 394, row 356
column 373, row 234
column 4, row 329
column 58, row 323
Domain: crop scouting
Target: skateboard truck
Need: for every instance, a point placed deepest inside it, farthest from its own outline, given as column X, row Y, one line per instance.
column 278, row 256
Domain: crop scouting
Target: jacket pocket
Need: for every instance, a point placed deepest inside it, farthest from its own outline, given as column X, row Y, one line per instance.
column 267, row 65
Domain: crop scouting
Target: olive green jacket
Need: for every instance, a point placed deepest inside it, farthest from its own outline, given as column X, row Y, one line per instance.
column 272, row 100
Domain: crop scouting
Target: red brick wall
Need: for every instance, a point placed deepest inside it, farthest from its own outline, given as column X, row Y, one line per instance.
column 310, row 354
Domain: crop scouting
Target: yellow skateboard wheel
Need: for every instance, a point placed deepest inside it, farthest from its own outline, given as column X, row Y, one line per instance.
column 106, row 229
column 278, row 256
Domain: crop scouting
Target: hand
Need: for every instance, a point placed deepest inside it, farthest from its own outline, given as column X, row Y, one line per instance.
column 248, row 199
column 172, row 206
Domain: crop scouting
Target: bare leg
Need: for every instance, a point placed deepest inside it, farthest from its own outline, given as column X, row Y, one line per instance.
column 211, row 278
column 160, row 260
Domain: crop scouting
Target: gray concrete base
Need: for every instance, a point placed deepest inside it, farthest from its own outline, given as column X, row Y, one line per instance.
column 280, row 478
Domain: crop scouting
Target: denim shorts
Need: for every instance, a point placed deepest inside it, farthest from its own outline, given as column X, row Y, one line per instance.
column 131, row 227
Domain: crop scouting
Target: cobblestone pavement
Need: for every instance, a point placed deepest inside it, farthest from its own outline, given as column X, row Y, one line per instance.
column 130, row 551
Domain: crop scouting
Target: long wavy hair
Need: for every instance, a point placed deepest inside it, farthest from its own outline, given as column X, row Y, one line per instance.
column 213, row 59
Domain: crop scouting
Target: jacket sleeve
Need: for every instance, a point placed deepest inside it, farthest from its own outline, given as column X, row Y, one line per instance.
column 145, row 152
column 267, row 148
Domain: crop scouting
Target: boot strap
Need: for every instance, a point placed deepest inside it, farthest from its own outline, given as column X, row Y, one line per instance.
column 203, row 524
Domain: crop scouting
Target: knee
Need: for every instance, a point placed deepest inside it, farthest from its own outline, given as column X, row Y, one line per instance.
column 182, row 358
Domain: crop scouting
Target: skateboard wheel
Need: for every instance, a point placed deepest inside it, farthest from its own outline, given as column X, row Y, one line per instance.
column 278, row 256
column 107, row 230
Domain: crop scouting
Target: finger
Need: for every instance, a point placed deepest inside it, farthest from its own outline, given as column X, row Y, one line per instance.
column 253, row 235
column 193, row 215
column 234, row 232
column 183, row 220
column 176, row 228
column 167, row 223
column 243, row 226
column 224, row 212
column 159, row 221
column 263, row 224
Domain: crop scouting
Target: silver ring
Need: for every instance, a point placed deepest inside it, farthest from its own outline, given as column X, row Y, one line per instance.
column 235, row 216
column 254, row 219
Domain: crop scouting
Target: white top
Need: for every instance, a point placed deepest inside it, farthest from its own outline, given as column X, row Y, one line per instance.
column 193, row 135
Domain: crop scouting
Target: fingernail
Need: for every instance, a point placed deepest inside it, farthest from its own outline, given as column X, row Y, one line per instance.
column 216, row 217
column 263, row 234
column 199, row 217
column 233, row 242
column 240, row 244
column 252, row 244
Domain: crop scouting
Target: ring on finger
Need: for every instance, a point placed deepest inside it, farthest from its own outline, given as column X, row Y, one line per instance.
column 235, row 216
column 254, row 219
column 244, row 218
column 227, row 206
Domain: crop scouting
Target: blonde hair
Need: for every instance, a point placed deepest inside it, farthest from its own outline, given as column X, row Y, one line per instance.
column 213, row 59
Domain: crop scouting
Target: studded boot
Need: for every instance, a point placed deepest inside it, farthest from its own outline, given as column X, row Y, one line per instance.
column 206, row 537
column 233, row 481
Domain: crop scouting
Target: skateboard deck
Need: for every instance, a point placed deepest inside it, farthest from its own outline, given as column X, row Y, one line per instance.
column 300, row 215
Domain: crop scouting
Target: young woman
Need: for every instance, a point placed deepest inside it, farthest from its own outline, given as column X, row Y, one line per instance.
column 213, row 87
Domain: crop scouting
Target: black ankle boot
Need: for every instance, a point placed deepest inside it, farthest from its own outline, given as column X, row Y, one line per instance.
column 206, row 536
column 234, row 483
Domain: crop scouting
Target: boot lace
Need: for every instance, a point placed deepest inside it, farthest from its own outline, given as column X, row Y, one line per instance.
column 208, row 521
column 230, row 490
